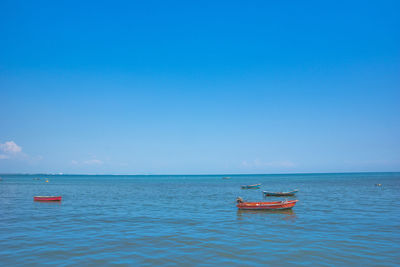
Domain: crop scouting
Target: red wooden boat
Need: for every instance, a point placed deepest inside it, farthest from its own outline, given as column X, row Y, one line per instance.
column 47, row 198
column 275, row 205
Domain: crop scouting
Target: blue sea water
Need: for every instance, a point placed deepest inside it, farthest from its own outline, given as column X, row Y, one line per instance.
column 340, row 219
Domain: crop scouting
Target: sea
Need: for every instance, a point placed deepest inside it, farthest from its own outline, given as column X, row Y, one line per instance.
column 341, row 219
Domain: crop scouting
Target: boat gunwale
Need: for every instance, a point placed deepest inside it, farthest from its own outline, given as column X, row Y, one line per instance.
column 47, row 198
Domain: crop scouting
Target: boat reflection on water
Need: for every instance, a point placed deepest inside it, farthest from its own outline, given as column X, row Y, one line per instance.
column 57, row 203
column 48, row 205
column 287, row 214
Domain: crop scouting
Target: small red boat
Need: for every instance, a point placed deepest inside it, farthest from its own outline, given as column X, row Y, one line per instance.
column 275, row 205
column 47, row 198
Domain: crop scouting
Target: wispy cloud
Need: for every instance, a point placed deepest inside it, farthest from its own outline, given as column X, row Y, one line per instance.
column 264, row 164
column 2, row 156
column 88, row 162
column 93, row 162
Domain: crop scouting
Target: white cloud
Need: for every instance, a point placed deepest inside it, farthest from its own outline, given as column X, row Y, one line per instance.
column 10, row 149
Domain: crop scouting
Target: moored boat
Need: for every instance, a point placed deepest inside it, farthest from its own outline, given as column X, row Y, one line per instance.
column 280, row 194
column 252, row 186
column 47, row 198
column 275, row 205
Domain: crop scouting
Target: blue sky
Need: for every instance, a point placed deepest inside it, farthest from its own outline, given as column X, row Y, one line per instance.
column 155, row 87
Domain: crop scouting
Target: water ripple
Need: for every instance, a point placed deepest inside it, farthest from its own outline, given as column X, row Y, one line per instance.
column 341, row 219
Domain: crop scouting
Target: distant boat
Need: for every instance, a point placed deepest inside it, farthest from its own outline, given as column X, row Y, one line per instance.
column 275, row 205
column 226, row 177
column 47, row 198
column 280, row 194
column 252, row 186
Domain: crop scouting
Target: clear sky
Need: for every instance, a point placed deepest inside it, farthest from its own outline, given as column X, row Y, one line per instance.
column 199, row 87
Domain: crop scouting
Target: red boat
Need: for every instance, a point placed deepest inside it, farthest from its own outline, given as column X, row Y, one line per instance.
column 275, row 205
column 47, row 198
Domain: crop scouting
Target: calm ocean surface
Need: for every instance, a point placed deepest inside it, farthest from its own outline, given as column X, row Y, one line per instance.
column 340, row 219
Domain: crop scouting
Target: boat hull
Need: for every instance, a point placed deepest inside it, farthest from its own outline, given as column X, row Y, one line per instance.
column 280, row 194
column 276, row 205
column 47, row 198
column 255, row 186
